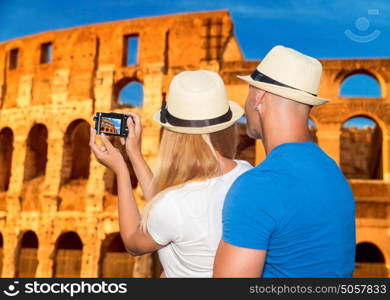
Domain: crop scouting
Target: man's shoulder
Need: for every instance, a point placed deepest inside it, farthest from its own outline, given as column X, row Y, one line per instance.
column 261, row 172
column 256, row 191
column 255, row 179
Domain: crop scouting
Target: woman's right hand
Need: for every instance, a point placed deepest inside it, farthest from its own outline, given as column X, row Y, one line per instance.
column 133, row 139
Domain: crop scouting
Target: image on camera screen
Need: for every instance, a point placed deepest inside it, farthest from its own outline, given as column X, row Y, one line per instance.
column 110, row 125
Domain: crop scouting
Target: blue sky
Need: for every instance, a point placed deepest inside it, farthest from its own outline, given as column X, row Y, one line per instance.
column 314, row 27
column 360, row 85
column 360, row 122
column 324, row 29
column 132, row 94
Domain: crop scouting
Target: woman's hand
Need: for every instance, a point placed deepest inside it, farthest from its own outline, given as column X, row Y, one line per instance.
column 107, row 154
column 133, row 140
column 133, row 149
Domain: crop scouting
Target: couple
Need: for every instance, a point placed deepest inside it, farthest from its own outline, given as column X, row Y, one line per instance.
column 208, row 214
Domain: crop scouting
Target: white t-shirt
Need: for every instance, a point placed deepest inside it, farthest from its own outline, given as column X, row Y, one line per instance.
column 189, row 221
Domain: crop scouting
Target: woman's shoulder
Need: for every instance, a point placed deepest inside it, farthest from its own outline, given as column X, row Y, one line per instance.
column 183, row 190
column 241, row 167
column 169, row 194
column 243, row 164
column 174, row 193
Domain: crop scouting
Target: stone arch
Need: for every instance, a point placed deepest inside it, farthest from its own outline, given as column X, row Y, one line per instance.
column 128, row 92
column 76, row 155
column 71, row 227
column 114, row 259
column 36, row 152
column 368, row 114
column 361, row 148
column 27, row 260
column 357, row 85
column 344, row 76
column 34, row 168
column 75, row 165
column 376, row 236
column 6, row 148
column 370, row 261
column 67, row 257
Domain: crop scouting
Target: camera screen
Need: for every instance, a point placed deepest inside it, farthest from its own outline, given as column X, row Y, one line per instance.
column 110, row 125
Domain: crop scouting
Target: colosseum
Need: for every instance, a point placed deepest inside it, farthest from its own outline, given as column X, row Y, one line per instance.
column 58, row 211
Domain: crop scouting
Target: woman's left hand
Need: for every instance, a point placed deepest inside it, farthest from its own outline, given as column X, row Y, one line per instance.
column 107, row 154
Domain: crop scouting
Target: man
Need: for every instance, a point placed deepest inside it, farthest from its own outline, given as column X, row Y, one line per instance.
column 294, row 214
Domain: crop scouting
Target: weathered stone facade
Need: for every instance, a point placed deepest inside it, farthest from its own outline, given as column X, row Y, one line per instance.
column 51, row 185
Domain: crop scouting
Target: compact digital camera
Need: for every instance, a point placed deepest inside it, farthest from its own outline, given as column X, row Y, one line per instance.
column 111, row 124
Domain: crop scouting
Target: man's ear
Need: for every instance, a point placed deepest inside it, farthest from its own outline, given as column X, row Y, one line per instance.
column 259, row 99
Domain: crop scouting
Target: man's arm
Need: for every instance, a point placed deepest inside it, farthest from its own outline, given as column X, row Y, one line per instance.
column 233, row 261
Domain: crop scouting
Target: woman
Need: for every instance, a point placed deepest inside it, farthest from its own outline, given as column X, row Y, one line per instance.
column 194, row 170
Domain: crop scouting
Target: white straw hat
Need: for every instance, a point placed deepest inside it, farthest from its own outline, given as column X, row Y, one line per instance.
column 197, row 103
column 290, row 74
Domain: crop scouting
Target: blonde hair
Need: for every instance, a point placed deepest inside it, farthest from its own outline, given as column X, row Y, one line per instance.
column 183, row 158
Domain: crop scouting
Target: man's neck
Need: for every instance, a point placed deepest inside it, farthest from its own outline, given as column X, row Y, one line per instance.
column 270, row 141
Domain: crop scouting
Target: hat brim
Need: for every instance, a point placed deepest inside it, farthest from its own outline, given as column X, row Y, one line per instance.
column 237, row 113
column 286, row 92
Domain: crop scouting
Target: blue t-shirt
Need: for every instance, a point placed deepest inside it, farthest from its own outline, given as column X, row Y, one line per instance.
column 299, row 207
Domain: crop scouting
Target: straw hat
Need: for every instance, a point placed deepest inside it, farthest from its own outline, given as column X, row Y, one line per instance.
column 290, row 74
column 197, row 103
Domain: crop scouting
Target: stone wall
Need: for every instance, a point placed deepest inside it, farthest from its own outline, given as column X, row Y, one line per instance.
column 361, row 152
